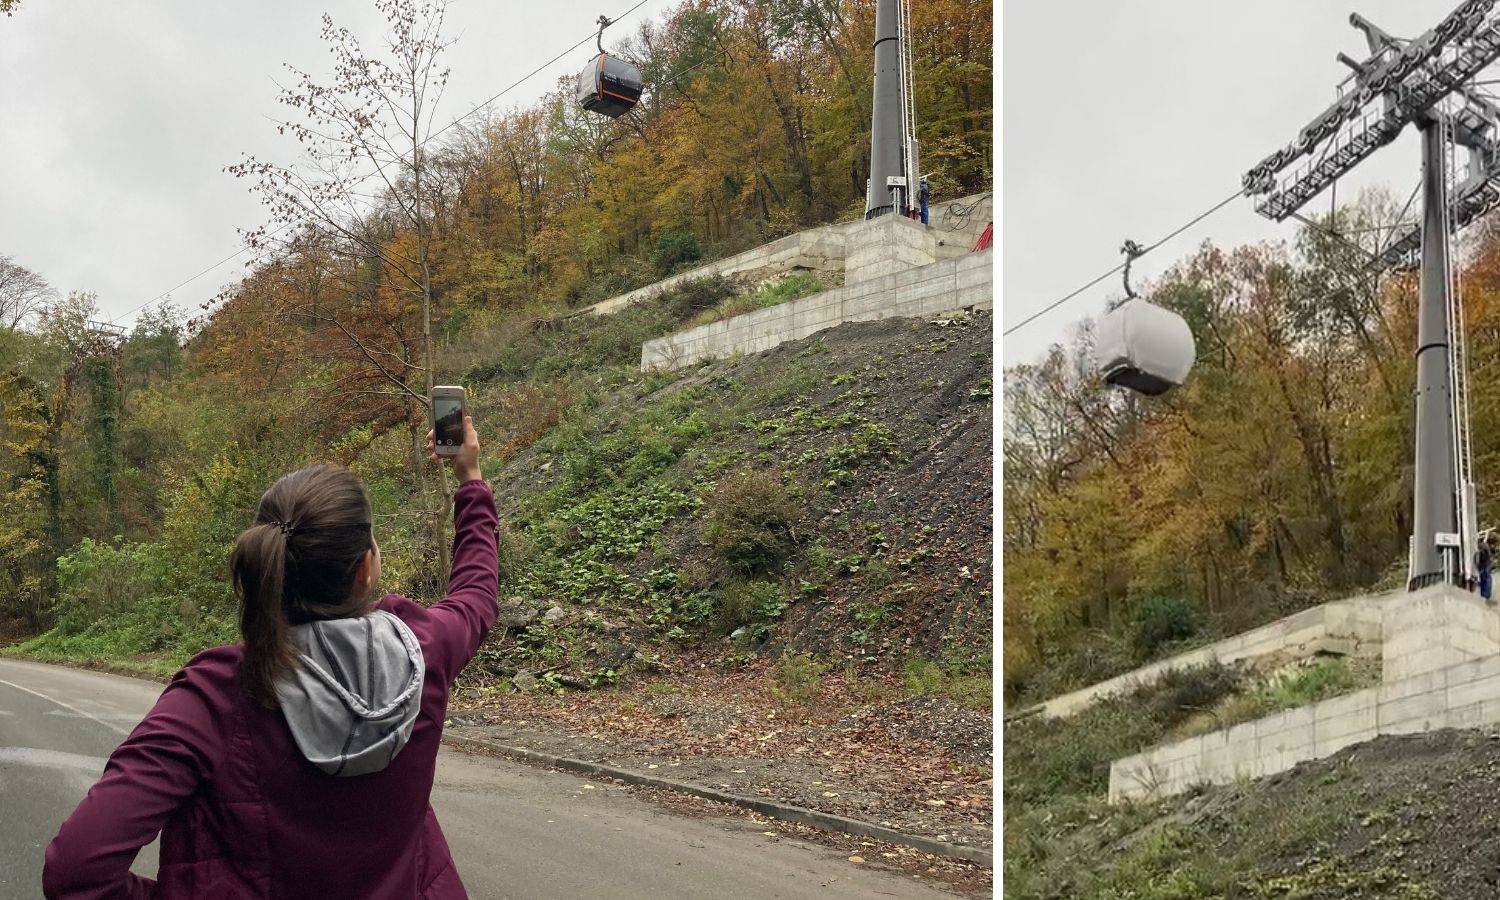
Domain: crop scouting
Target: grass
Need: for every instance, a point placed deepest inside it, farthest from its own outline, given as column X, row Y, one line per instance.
column 793, row 287
column 926, row 678
column 96, row 654
column 1324, row 678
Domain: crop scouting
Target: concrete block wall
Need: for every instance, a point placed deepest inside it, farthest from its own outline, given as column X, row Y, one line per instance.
column 955, row 233
column 1434, row 629
column 821, row 249
column 960, row 282
column 1462, row 695
column 1353, row 627
column 885, row 246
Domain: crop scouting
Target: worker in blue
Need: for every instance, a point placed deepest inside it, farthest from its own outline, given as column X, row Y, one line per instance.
column 923, row 191
column 1484, row 561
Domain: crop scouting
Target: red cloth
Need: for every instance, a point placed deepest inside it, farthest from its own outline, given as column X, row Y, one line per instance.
column 985, row 238
column 241, row 811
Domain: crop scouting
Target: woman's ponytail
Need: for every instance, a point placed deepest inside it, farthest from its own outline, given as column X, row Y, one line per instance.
column 297, row 564
column 258, row 565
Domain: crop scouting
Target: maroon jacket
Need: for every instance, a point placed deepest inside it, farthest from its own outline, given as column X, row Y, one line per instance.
column 241, row 811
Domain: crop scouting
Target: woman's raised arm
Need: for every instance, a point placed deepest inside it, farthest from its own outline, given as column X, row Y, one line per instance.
column 466, row 613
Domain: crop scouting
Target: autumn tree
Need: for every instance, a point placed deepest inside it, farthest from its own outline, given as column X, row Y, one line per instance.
column 23, row 293
column 360, row 210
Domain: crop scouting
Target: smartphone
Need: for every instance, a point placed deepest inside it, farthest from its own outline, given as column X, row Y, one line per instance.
column 447, row 419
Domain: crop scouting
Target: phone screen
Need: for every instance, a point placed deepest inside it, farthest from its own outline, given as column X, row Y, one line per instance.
column 448, row 421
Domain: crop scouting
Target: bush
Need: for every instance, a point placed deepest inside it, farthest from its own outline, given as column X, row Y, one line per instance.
column 1044, row 758
column 1160, row 621
column 926, row 678
column 756, row 604
column 797, row 677
column 97, row 581
column 1181, row 692
column 686, row 300
column 751, row 523
column 523, row 414
column 674, row 249
column 1309, row 684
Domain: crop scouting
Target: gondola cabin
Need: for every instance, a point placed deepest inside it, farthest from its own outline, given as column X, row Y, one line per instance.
column 1144, row 347
column 609, row 86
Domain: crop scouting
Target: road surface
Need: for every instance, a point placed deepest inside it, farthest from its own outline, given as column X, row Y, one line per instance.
column 515, row 831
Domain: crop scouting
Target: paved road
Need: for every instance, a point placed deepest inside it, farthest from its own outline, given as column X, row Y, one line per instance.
column 516, row 831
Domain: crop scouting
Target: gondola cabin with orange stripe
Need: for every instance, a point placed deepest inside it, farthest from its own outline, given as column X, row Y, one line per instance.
column 609, row 86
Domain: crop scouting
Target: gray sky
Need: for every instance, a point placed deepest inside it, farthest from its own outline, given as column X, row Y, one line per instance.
column 116, row 120
column 1129, row 117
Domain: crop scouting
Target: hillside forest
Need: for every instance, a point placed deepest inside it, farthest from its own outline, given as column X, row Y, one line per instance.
column 1278, row 476
column 399, row 252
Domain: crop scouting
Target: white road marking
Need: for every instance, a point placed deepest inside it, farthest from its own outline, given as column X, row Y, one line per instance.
column 67, row 706
column 51, row 759
column 117, row 716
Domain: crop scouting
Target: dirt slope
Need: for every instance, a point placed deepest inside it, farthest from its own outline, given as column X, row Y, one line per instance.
column 1411, row 816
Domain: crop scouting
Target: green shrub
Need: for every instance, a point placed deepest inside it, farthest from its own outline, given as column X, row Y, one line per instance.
column 1181, row 692
column 1160, row 621
column 756, row 604
column 673, row 250
column 926, row 678
column 98, row 581
column 751, row 523
column 690, row 298
column 796, row 678
column 1045, row 758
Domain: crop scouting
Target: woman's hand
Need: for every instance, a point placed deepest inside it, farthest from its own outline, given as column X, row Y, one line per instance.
column 466, row 461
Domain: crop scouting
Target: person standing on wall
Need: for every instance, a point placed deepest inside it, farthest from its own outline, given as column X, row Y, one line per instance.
column 1484, row 561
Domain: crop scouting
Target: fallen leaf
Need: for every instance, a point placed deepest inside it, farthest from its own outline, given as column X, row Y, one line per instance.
column 856, row 859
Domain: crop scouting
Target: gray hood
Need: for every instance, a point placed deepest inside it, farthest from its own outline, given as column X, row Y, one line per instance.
column 354, row 695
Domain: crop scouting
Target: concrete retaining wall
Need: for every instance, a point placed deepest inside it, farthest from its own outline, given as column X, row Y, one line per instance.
column 959, row 282
column 956, row 233
column 1440, row 668
column 1434, row 629
column 1353, row 627
column 1466, row 695
column 821, row 249
column 818, row 250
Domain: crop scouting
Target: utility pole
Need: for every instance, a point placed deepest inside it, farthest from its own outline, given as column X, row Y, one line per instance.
column 1424, row 82
column 892, row 146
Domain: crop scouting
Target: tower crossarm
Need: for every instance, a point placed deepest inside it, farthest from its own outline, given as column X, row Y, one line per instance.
column 1474, row 127
column 1408, row 79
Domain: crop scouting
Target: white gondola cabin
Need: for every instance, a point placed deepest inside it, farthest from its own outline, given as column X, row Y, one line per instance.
column 609, row 86
column 1144, row 347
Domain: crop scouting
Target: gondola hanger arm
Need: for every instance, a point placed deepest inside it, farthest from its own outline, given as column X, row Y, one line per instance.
column 604, row 22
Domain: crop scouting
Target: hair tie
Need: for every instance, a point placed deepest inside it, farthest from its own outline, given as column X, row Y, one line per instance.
column 286, row 528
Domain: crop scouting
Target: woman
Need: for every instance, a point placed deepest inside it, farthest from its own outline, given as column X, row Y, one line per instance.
column 299, row 762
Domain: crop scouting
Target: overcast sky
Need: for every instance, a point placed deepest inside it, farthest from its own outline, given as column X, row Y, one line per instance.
column 116, row 120
column 1127, row 118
